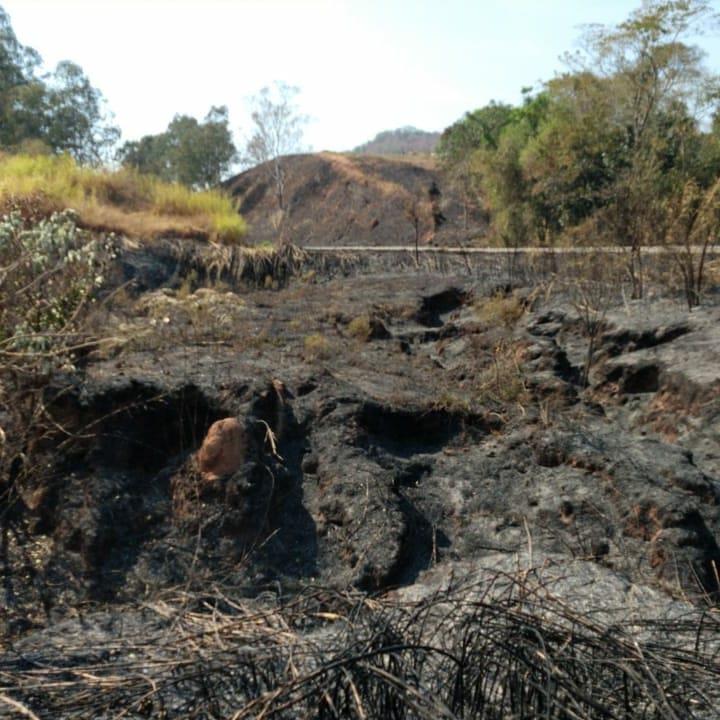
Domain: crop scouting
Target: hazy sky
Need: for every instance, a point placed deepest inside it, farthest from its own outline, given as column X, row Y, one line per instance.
column 362, row 65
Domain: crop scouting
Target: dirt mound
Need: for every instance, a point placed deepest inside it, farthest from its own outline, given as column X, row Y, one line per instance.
column 334, row 199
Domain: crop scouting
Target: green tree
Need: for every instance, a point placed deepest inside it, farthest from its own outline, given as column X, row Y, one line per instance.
column 61, row 111
column 660, row 93
column 197, row 154
column 597, row 154
column 76, row 121
column 459, row 144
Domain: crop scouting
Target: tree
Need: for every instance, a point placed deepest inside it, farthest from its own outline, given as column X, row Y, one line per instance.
column 150, row 154
column 76, row 121
column 278, row 131
column 197, row 154
column 660, row 94
column 61, row 110
column 458, row 146
column 693, row 228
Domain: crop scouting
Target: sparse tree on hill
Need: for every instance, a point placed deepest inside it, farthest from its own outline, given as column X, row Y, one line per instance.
column 277, row 132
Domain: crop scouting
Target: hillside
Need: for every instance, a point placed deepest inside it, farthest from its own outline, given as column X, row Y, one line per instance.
column 122, row 201
column 403, row 141
column 336, row 199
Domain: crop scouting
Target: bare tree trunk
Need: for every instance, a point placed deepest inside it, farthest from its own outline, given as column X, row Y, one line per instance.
column 416, row 220
column 635, row 270
column 279, row 176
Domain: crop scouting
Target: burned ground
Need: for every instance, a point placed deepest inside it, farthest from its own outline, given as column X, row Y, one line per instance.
column 451, row 446
column 332, row 199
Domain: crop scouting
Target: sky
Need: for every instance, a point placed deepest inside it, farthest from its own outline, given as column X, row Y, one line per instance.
column 362, row 66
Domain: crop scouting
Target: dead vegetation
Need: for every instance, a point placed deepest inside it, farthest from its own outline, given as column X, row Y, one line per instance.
column 502, row 308
column 498, row 648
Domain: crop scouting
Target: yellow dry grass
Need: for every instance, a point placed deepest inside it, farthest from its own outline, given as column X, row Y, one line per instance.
column 122, row 201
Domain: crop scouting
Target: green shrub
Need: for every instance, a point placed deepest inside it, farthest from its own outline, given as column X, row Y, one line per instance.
column 50, row 271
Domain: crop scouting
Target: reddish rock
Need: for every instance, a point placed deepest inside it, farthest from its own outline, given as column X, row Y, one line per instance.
column 224, row 449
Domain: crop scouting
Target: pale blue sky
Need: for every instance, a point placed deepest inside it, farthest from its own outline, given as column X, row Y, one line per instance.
column 362, row 65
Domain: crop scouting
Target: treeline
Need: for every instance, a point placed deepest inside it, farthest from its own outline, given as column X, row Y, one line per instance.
column 61, row 112
column 56, row 112
column 623, row 148
column 402, row 141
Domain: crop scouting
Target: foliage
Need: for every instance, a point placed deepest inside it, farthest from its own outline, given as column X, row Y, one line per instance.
column 59, row 112
column 196, row 154
column 599, row 153
column 48, row 274
column 124, row 200
column 478, row 129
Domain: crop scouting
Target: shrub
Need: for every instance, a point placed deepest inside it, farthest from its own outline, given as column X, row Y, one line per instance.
column 50, row 272
column 317, row 347
column 359, row 328
column 500, row 309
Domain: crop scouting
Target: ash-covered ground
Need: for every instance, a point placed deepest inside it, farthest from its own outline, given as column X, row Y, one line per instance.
column 433, row 467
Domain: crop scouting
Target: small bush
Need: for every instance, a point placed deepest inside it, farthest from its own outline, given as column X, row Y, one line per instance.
column 500, row 309
column 359, row 328
column 49, row 274
column 317, row 347
column 52, row 269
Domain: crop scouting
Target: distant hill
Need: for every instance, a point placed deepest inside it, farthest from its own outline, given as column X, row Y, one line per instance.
column 354, row 199
column 402, row 141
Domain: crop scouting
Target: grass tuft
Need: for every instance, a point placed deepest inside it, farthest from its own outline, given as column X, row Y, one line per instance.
column 500, row 309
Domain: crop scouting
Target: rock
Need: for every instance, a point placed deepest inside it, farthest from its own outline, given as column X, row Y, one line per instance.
column 224, row 449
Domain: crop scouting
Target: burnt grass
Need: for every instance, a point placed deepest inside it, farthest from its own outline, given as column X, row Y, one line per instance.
column 452, row 524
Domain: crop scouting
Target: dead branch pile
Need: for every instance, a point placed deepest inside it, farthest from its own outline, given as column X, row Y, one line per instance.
column 505, row 649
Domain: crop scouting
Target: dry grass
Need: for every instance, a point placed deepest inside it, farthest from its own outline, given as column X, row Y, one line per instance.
column 122, row 201
column 500, row 309
column 502, row 646
column 317, row 347
column 349, row 168
column 503, row 381
column 359, row 328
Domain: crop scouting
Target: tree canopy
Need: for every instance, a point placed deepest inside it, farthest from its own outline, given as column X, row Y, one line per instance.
column 58, row 112
column 598, row 152
column 198, row 154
